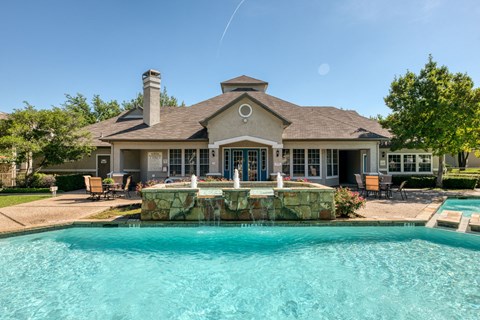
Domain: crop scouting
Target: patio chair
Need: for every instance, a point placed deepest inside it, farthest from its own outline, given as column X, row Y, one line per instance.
column 386, row 185
column 87, row 184
column 125, row 189
column 450, row 219
column 360, row 185
column 401, row 190
column 372, row 184
column 96, row 188
column 475, row 222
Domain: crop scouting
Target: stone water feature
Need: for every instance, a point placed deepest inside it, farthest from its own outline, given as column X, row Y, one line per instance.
column 253, row 201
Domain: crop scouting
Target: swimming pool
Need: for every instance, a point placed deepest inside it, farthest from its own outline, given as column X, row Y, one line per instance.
column 241, row 273
column 466, row 205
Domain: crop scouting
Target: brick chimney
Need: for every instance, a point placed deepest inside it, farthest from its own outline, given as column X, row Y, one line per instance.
column 151, row 97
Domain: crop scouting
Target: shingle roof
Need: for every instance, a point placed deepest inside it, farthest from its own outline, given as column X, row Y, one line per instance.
column 244, row 80
column 3, row 115
column 183, row 123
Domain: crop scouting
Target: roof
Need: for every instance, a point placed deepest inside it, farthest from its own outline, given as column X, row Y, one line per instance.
column 3, row 115
column 244, row 80
column 184, row 123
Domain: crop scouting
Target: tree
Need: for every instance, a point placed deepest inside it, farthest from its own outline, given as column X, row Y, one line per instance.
column 49, row 137
column 434, row 110
column 165, row 101
column 86, row 114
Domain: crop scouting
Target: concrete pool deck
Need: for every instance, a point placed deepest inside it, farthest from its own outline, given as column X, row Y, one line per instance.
column 74, row 207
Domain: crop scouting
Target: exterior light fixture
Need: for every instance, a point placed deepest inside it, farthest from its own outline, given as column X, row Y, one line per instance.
column 213, row 153
column 278, row 153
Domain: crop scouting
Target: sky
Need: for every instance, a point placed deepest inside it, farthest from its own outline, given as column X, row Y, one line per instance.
column 342, row 53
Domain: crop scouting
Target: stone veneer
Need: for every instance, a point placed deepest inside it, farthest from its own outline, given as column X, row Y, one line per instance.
column 297, row 201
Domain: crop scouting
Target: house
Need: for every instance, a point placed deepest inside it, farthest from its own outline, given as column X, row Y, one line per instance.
column 247, row 129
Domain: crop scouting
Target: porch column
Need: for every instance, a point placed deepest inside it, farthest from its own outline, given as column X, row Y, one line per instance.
column 277, row 160
column 214, row 163
column 116, row 159
column 373, row 154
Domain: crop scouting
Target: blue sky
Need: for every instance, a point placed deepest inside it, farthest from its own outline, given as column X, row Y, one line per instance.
column 322, row 53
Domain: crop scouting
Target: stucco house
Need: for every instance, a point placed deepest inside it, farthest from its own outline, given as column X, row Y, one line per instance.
column 247, row 129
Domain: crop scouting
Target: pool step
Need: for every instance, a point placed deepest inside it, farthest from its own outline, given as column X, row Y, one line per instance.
column 463, row 224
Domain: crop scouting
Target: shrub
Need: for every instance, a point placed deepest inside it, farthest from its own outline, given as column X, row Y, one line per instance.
column 347, row 202
column 460, row 182
column 108, row 181
column 25, row 190
column 70, row 182
column 415, row 181
column 41, row 180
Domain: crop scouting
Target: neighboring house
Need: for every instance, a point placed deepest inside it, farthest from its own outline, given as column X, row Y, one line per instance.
column 243, row 128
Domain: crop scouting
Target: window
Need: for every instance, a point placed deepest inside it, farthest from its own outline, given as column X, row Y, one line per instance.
column 425, row 163
column 332, row 162
column 298, row 162
column 394, row 163
column 204, row 162
column 313, row 162
column 409, row 163
column 286, row 161
column 175, row 162
column 264, row 159
column 190, row 162
column 227, row 160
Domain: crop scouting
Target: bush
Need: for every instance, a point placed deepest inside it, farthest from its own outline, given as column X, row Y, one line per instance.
column 25, row 190
column 347, row 202
column 415, row 181
column 70, row 182
column 460, row 182
column 41, row 180
column 108, row 181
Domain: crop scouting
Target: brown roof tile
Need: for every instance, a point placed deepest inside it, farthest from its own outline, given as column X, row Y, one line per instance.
column 244, row 80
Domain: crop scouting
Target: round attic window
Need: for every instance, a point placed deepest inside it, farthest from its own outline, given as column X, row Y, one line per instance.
column 245, row 110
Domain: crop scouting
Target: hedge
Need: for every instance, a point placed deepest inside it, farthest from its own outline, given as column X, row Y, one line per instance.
column 415, row 181
column 460, row 182
column 25, row 190
column 70, row 182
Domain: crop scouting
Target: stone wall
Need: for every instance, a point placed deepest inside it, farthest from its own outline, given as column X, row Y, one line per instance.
column 303, row 203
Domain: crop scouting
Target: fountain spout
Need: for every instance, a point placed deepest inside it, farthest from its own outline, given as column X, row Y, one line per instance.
column 236, row 180
column 279, row 180
column 193, row 183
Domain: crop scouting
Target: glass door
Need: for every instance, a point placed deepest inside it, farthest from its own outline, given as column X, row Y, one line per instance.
column 237, row 158
column 252, row 165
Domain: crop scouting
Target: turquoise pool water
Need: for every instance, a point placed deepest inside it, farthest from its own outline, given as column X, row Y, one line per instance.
column 241, row 273
column 467, row 206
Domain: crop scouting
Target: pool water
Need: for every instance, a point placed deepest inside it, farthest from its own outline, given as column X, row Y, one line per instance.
column 241, row 273
column 467, row 206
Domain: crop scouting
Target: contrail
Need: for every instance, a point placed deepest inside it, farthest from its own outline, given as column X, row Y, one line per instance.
column 228, row 25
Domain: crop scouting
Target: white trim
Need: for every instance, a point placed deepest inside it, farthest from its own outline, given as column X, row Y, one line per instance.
column 417, row 167
column 245, row 115
column 271, row 143
column 96, row 162
column 133, row 170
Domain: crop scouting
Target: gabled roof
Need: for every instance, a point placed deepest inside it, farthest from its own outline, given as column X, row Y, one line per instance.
column 184, row 123
column 244, row 80
column 205, row 121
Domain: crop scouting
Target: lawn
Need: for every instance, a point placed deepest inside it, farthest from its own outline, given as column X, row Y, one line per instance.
column 11, row 200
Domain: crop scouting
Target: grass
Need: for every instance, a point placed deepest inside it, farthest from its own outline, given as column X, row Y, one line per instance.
column 131, row 211
column 12, row 200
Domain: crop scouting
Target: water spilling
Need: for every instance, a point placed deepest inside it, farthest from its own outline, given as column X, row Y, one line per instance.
column 279, row 180
column 236, row 180
column 193, row 183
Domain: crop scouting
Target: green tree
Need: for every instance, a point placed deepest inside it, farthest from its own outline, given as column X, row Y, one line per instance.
column 165, row 101
column 86, row 113
column 434, row 110
column 49, row 137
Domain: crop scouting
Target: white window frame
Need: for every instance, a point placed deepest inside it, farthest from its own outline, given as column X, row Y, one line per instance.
column 305, row 164
column 417, row 163
column 332, row 164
